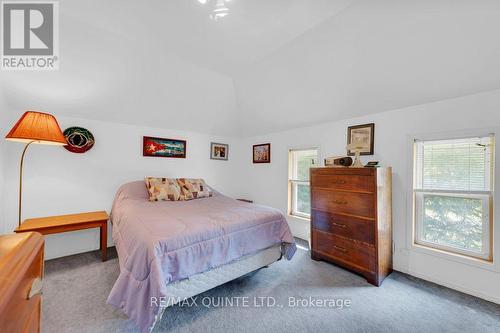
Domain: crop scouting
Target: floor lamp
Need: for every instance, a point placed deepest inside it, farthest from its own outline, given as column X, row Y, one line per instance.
column 34, row 128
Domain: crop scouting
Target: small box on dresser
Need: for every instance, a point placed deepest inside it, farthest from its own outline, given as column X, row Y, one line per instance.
column 351, row 219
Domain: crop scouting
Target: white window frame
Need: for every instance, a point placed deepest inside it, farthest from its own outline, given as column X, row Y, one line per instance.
column 292, row 183
column 487, row 198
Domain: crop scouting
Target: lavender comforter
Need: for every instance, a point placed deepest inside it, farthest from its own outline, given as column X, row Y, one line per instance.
column 162, row 242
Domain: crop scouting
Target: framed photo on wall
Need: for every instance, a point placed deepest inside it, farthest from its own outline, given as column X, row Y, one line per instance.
column 219, row 151
column 364, row 134
column 262, row 153
column 161, row 147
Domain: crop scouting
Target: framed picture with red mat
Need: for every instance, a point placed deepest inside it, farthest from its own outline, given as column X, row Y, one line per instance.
column 162, row 147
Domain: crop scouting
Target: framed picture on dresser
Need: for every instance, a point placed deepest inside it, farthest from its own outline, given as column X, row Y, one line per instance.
column 362, row 134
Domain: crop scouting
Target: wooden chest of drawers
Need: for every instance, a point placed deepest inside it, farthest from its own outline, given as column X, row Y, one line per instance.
column 21, row 270
column 351, row 218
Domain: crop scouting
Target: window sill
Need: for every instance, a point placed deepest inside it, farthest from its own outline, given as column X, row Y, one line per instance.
column 459, row 258
column 305, row 219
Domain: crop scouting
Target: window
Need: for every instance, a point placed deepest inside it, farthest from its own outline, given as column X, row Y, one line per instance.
column 299, row 197
column 453, row 195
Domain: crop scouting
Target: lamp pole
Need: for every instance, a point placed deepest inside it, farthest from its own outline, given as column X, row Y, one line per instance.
column 34, row 127
column 21, row 180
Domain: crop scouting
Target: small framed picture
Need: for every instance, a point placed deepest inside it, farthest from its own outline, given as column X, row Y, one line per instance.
column 219, row 151
column 262, row 153
column 160, row 147
column 363, row 134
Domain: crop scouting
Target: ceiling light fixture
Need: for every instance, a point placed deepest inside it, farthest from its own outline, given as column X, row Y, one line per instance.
column 220, row 10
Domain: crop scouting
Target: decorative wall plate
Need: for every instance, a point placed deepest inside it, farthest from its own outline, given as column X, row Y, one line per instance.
column 79, row 139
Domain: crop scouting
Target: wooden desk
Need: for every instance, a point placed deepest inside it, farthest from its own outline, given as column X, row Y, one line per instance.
column 73, row 222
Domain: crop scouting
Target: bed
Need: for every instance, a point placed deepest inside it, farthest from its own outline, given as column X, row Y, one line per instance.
column 173, row 250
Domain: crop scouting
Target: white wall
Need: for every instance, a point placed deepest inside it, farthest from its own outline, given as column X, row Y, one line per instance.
column 393, row 131
column 59, row 182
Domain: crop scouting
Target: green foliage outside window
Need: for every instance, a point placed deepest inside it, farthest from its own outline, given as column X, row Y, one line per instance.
column 304, row 161
column 304, row 199
column 453, row 221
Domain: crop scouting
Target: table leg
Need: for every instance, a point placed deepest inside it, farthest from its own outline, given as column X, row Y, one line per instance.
column 104, row 240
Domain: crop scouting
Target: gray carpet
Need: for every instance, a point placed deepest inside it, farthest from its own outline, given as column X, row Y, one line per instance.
column 76, row 289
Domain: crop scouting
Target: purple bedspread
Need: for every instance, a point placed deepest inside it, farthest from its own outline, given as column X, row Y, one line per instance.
column 166, row 241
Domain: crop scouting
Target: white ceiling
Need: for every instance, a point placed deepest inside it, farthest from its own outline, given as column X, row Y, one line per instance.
column 268, row 66
column 375, row 56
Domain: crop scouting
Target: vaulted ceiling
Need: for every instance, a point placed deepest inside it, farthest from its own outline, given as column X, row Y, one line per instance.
column 268, row 66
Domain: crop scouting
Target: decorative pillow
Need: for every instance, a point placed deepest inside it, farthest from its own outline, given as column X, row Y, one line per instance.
column 193, row 188
column 163, row 189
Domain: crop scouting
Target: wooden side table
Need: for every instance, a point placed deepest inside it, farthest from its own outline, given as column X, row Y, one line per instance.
column 73, row 222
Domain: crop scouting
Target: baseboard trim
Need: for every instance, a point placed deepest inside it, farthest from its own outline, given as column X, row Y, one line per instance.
column 453, row 286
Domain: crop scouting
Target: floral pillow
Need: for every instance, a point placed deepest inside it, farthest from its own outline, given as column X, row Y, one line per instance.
column 163, row 189
column 193, row 188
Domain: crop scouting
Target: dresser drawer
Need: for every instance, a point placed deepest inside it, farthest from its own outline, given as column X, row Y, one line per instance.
column 359, row 204
column 346, row 226
column 343, row 182
column 355, row 253
column 20, row 264
column 21, row 307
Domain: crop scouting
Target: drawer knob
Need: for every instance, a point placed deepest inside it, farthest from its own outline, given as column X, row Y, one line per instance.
column 36, row 288
column 340, row 202
column 340, row 181
column 341, row 225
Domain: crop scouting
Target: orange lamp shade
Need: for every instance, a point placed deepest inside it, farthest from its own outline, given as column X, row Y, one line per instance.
column 42, row 128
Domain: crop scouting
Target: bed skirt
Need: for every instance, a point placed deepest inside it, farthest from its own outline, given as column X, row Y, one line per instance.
column 199, row 283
